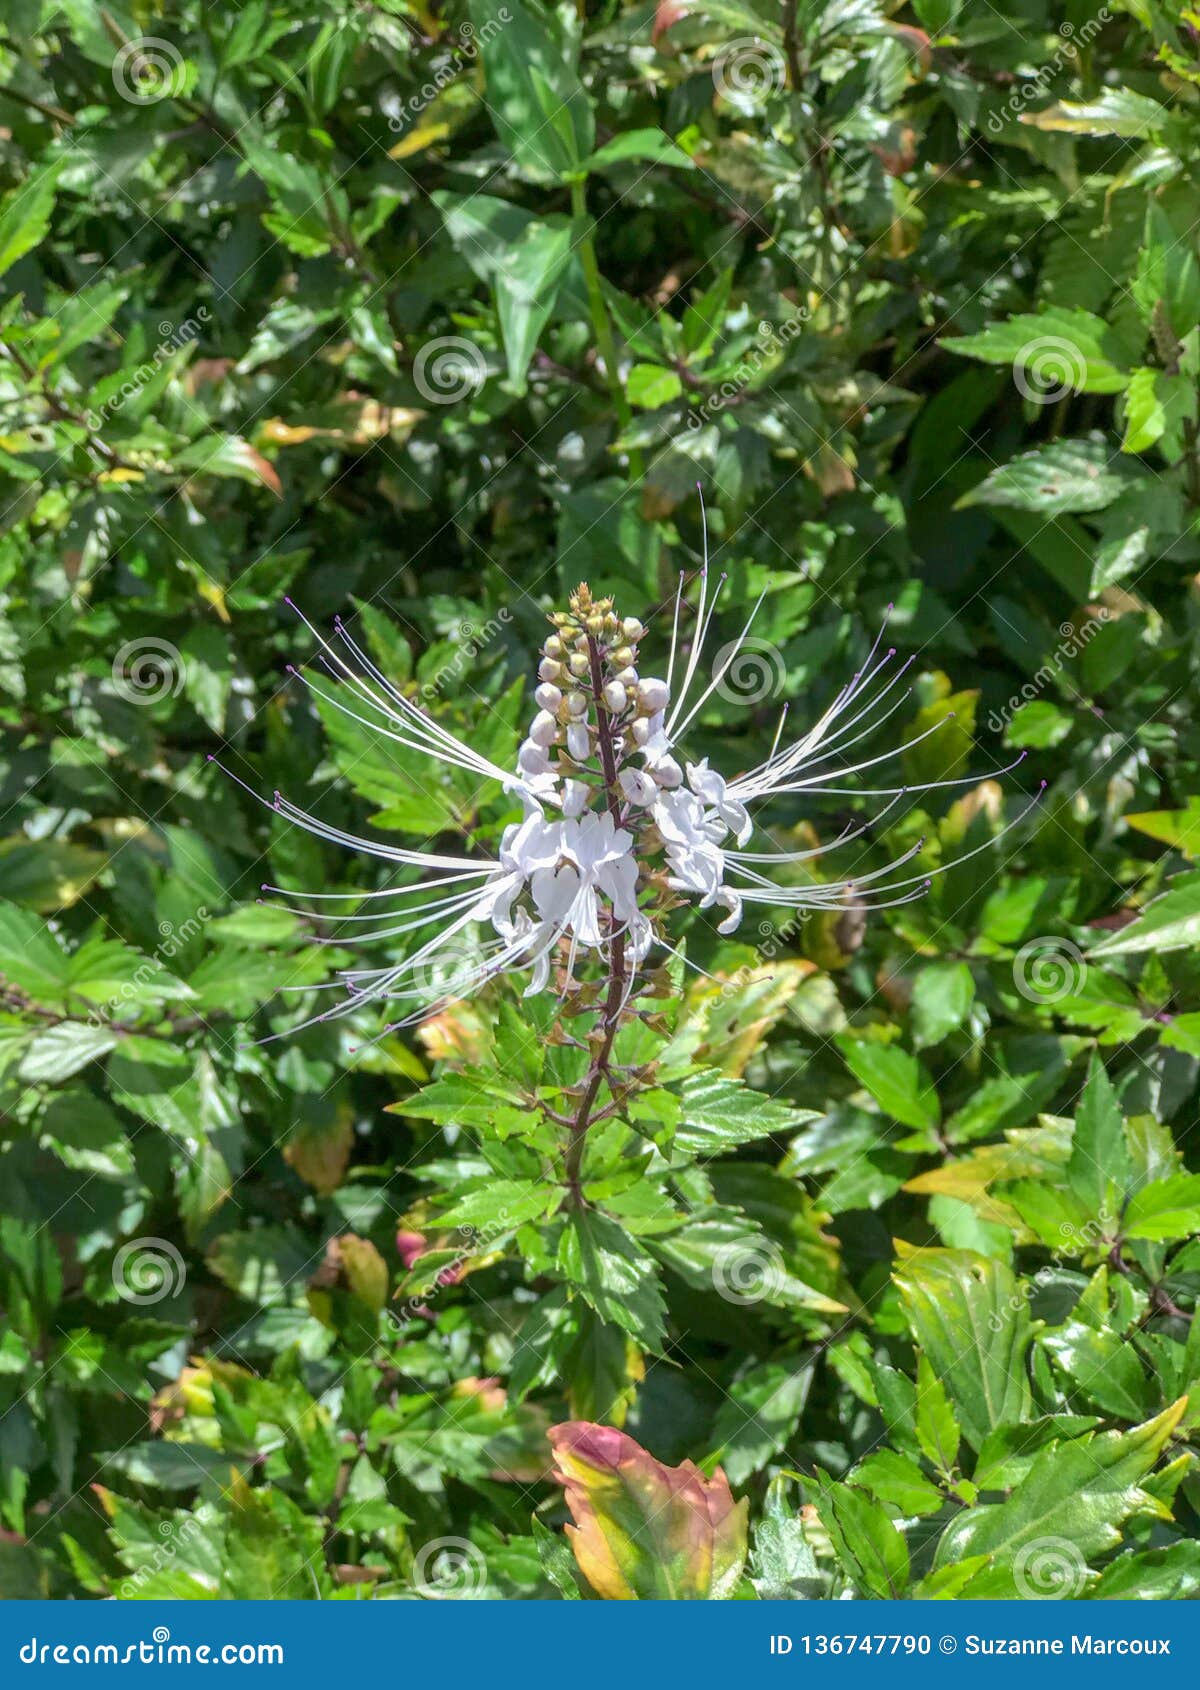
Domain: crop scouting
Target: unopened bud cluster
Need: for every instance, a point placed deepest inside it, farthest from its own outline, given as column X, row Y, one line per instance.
column 588, row 666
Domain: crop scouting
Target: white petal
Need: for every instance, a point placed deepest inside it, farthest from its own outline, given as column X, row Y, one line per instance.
column 637, row 787
column 653, row 695
column 575, row 798
column 543, row 729
column 733, row 903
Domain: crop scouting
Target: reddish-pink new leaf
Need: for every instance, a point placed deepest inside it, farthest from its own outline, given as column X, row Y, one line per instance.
column 642, row 1530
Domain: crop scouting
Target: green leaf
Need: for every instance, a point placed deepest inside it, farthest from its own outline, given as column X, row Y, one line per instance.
column 557, row 1561
column 1118, row 111
column 1168, row 274
column 25, row 213
column 228, row 455
column 1169, row 923
column 1099, row 1171
column 1166, row 1208
column 1056, row 350
column 653, row 146
column 59, row 1052
column 783, row 1566
column 643, row 1531
column 615, row 1276
column 534, row 95
column 760, row 1413
column 30, row 957
column 1102, row 1368
column 726, row 1253
column 1054, row 480
column 937, row 1429
column 897, row 1081
column 720, row 1114
column 502, row 1205
column 649, row 385
column 1171, row 1574
column 942, row 997
column 971, row 1319
column 870, row 1549
column 1178, row 828
column 1157, row 406
column 527, row 289
column 1069, row 1507
column 208, row 673
column 472, row 1098
column 898, row 1483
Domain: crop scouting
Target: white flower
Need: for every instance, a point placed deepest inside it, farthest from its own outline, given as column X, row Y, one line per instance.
column 577, row 873
column 710, row 788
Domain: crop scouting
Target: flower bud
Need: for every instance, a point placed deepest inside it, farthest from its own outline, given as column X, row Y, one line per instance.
column 653, row 695
column 549, row 670
column 577, row 703
column 628, row 677
column 641, row 731
column 544, row 729
column 614, row 697
column 578, row 741
column 579, row 663
column 548, row 697
column 632, row 629
column 667, row 772
column 637, row 787
column 553, row 646
column 532, row 759
column 622, row 657
column 575, row 797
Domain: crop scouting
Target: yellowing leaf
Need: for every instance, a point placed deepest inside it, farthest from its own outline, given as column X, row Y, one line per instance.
column 645, row 1532
column 416, row 141
column 1180, row 828
column 319, row 1152
column 734, row 1012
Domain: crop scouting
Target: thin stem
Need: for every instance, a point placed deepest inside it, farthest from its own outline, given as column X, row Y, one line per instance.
column 610, row 1021
column 601, row 325
column 57, row 409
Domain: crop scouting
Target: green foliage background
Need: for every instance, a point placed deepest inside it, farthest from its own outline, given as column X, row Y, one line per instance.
column 913, row 292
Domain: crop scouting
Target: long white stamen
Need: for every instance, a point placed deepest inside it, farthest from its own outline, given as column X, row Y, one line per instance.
column 734, row 650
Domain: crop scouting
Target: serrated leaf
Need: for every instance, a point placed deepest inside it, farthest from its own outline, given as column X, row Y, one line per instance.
column 1054, row 480
column 615, row 1275
column 969, row 1316
column 1074, row 1499
column 900, row 1085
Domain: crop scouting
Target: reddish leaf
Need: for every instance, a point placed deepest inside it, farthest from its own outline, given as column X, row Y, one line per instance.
column 644, row 1531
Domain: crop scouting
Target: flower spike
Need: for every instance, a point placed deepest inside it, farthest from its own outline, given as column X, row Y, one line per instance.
column 618, row 823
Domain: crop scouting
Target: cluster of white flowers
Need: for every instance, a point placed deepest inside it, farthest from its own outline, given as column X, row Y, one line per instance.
column 612, row 821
